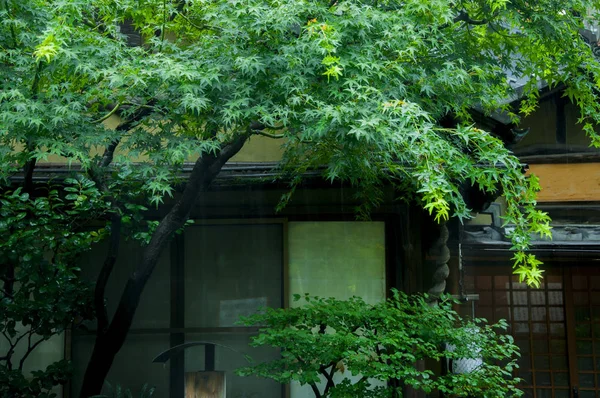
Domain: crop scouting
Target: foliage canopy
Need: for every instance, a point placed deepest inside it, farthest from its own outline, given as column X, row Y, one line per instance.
column 359, row 87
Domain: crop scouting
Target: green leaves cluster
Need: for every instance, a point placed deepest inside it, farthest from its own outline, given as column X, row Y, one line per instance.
column 326, row 342
column 358, row 87
column 41, row 294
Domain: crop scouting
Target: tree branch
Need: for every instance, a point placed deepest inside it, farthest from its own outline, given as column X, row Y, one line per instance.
column 264, row 133
column 107, row 268
column 30, row 349
column 328, row 376
column 109, row 153
column 463, row 16
column 315, row 390
column 109, row 114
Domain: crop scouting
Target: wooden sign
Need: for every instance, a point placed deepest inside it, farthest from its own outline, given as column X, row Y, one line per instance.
column 205, row 384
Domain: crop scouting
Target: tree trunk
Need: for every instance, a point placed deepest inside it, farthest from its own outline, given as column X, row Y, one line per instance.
column 109, row 343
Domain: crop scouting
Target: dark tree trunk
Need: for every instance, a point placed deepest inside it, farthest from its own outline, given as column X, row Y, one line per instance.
column 109, row 342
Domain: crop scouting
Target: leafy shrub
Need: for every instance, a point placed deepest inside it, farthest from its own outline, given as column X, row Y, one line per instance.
column 326, row 341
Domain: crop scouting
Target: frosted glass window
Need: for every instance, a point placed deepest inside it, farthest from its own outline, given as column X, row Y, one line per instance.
column 231, row 271
column 336, row 259
column 154, row 309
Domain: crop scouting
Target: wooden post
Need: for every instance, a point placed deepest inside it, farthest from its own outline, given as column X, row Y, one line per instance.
column 205, row 384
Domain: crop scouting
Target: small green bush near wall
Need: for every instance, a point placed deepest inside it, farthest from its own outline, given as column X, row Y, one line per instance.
column 353, row 349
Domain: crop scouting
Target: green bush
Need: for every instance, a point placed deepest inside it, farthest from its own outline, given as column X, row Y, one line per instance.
column 326, row 341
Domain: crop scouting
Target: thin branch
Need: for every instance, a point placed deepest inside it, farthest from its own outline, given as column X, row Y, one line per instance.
column 30, row 349
column 109, row 114
column 265, row 134
column 6, row 293
column 200, row 27
column 12, row 347
column 463, row 16
column 142, row 111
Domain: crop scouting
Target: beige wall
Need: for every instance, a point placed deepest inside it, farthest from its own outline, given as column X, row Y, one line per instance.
column 568, row 182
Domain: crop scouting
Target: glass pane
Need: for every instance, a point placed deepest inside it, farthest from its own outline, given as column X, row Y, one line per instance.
column 526, row 378
column 561, row 394
column 596, row 330
column 516, row 285
column 557, row 329
column 527, row 393
column 559, row 362
column 585, row 363
column 485, row 298
column 539, row 328
column 554, row 282
column 540, row 346
column 561, row 378
column 501, row 297
column 223, row 284
column 557, row 346
column 595, row 282
column 338, row 259
column 582, row 314
column 523, row 346
column 541, row 362
column 483, row 282
column 469, row 282
column 543, row 393
column 556, row 314
column 485, row 312
column 538, row 313
column 579, row 282
column 595, row 297
column 521, row 328
column 524, row 362
column 580, row 298
column 596, row 314
column 587, row 394
column 583, row 330
column 502, row 313
column 519, row 298
column 584, row 347
column 586, row 380
column 542, row 379
column 520, row 313
column 537, row 298
column 555, row 297
column 501, row 282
